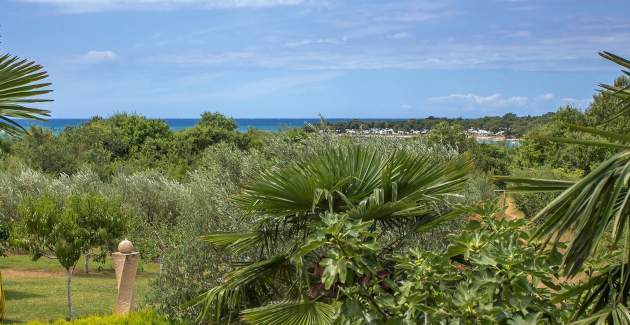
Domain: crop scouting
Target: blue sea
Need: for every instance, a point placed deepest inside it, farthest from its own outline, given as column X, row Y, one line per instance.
column 264, row 124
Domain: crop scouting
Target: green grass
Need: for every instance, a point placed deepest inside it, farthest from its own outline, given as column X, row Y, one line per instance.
column 36, row 290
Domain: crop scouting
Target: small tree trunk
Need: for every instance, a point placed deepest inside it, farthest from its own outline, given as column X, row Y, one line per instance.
column 86, row 260
column 69, row 288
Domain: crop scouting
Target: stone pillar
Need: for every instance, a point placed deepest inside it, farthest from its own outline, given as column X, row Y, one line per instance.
column 126, row 264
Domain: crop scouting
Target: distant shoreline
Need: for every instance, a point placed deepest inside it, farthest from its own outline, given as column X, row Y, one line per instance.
column 56, row 125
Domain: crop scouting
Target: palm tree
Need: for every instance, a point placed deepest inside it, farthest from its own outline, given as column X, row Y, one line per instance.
column 19, row 86
column 353, row 190
column 589, row 210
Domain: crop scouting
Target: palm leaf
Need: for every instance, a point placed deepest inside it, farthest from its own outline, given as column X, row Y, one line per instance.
column 523, row 184
column 291, row 313
column 19, row 84
column 587, row 208
column 252, row 282
column 602, row 298
column 592, row 143
column 622, row 93
column 236, row 242
column 344, row 178
column 603, row 133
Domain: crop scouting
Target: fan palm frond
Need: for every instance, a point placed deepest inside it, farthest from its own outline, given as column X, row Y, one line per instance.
column 20, row 85
column 344, row 178
column 292, row 313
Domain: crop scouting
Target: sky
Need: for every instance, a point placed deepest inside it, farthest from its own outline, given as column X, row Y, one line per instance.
column 301, row 58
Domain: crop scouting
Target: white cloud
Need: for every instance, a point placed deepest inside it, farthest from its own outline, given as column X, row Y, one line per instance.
column 406, row 106
column 494, row 100
column 81, row 6
column 519, row 34
column 548, row 96
column 580, row 102
column 306, row 42
column 401, row 35
column 94, row 56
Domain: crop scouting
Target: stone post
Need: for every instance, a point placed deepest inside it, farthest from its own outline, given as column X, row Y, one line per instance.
column 126, row 264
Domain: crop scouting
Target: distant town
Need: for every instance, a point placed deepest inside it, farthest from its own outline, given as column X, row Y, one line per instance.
column 481, row 135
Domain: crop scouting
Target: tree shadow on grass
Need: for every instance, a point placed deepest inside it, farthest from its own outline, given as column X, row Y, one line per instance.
column 19, row 295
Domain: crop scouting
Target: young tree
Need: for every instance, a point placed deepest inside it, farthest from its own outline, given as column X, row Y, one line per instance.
column 63, row 231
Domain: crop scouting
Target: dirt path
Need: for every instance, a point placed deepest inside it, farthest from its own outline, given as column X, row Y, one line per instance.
column 512, row 212
column 21, row 274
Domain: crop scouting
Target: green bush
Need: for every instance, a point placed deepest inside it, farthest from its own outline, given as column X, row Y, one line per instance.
column 139, row 318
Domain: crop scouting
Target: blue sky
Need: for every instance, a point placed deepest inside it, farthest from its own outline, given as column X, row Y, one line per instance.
column 298, row 58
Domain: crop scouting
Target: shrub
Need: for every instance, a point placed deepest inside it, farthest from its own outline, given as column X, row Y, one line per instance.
column 139, row 318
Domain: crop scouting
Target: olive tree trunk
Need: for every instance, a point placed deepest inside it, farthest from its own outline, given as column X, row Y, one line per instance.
column 86, row 261
column 69, row 291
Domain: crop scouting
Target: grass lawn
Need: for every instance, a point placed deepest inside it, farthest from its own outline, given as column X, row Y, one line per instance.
column 37, row 290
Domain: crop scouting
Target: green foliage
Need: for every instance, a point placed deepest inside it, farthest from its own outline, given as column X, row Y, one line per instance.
column 212, row 128
column 491, row 273
column 45, row 152
column 591, row 211
column 451, row 135
column 541, row 145
column 128, row 143
column 316, row 198
column 493, row 158
column 67, row 230
column 137, row 318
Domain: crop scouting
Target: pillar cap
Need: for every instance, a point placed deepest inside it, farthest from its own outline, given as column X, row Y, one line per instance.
column 125, row 246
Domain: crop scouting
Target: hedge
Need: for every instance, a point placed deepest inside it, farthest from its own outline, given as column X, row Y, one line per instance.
column 138, row 318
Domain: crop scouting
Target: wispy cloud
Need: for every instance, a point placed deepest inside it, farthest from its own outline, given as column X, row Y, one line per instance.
column 95, row 56
column 84, row 6
column 547, row 96
column 319, row 41
column 401, row 35
column 579, row 102
column 268, row 86
column 494, row 100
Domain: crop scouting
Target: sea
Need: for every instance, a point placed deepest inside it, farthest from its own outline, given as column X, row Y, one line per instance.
column 264, row 124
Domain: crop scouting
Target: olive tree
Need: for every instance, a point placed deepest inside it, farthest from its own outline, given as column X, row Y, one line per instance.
column 64, row 230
